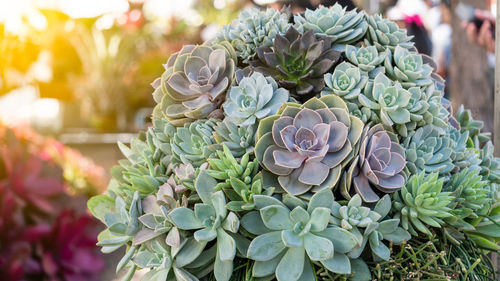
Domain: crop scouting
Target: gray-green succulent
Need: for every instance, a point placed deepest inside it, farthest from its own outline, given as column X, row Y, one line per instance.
column 254, row 98
column 422, row 203
column 365, row 58
column 386, row 34
column 347, row 81
column 239, row 139
column 254, row 28
column 341, row 26
column 194, row 143
column 408, row 68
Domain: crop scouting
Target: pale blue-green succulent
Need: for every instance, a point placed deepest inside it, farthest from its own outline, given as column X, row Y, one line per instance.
column 194, row 143
column 254, row 28
column 239, row 139
column 408, row 68
column 291, row 237
column 254, row 98
column 347, row 81
column 341, row 26
column 386, row 34
column 211, row 221
column 388, row 99
column 365, row 58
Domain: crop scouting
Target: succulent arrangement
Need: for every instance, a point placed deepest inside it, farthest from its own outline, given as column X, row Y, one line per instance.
column 307, row 147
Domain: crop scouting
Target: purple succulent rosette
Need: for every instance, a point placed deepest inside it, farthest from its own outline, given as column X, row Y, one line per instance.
column 304, row 147
column 378, row 166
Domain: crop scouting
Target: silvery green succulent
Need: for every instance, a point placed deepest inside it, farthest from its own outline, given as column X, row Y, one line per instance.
column 304, row 147
column 471, row 197
column 369, row 226
column 239, row 139
column 254, row 28
column 288, row 240
column 365, row 58
column 379, row 166
column 211, row 220
column 347, row 81
column 422, row 203
column 194, row 143
column 388, row 99
column 408, row 68
column 463, row 156
column 490, row 165
column 297, row 62
column 238, row 179
column 194, row 83
column 334, row 22
column 429, row 150
column 254, row 98
column 385, row 34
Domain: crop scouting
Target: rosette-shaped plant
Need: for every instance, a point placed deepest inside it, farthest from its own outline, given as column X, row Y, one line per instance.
column 239, row 139
column 306, row 146
column 346, row 81
column 463, row 156
column 194, row 83
column 408, row 68
column 422, row 203
column 254, row 28
column 297, row 61
column 368, row 226
column 255, row 98
column 334, row 22
column 194, row 143
column 429, row 150
column 490, row 165
column 386, row 34
column 211, row 220
column 288, row 240
column 379, row 166
column 365, row 58
column 474, row 127
column 388, row 99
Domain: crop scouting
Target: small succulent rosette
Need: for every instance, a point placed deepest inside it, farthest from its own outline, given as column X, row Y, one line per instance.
column 304, row 147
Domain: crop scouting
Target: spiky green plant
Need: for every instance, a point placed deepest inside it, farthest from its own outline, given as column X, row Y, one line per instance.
column 239, row 139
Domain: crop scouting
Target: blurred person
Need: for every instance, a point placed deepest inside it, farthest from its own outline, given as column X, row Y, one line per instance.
column 441, row 39
column 483, row 37
column 407, row 14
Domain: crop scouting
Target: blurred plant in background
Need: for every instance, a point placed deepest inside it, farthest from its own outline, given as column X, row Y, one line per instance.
column 45, row 231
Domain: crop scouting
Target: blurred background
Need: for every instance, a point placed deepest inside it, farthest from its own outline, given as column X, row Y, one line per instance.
column 75, row 79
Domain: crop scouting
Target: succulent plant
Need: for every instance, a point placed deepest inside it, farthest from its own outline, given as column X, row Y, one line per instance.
column 238, row 179
column 471, row 197
column 211, row 220
column 194, row 143
column 305, row 146
column 369, row 226
column 379, row 166
column 194, row 83
column 408, row 68
column 254, row 28
column 422, row 203
column 490, row 165
column 255, row 98
column 334, row 22
column 122, row 221
column 239, row 139
column 429, row 150
column 346, row 81
column 463, row 156
column 288, row 240
column 365, row 58
column 385, row 34
column 297, row 62
column 474, row 127
column 388, row 99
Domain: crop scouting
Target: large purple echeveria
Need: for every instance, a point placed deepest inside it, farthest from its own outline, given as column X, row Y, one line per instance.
column 379, row 166
column 303, row 148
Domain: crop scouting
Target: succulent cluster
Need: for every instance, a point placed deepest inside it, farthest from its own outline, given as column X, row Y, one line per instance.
column 307, row 147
